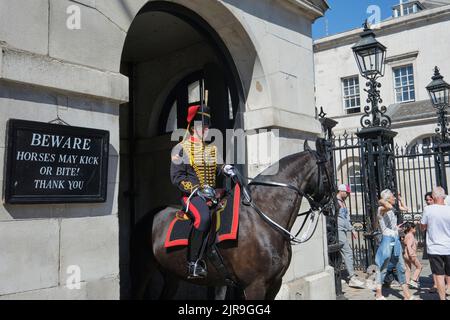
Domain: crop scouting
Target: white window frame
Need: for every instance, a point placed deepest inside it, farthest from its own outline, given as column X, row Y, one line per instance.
column 355, row 178
column 394, row 69
column 356, row 95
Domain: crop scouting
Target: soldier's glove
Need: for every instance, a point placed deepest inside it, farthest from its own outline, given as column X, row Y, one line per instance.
column 229, row 170
column 207, row 193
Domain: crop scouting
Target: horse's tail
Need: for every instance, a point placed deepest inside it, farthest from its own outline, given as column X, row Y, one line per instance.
column 143, row 264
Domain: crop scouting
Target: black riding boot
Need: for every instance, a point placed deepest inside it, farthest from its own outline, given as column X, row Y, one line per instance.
column 197, row 267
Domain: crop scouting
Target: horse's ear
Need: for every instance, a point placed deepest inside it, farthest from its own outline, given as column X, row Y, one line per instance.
column 306, row 147
column 320, row 146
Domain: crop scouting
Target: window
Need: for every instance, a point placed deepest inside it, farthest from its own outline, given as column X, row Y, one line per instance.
column 355, row 179
column 404, row 84
column 422, row 146
column 352, row 99
column 187, row 93
column 194, row 92
column 409, row 9
column 172, row 120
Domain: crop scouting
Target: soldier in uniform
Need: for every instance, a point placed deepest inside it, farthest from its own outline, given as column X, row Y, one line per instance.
column 194, row 171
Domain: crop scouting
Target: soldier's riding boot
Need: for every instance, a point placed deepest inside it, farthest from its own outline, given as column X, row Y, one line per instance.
column 197, row 267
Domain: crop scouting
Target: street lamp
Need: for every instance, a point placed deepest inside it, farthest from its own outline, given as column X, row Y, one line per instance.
column 370, row 56
column 439, row 91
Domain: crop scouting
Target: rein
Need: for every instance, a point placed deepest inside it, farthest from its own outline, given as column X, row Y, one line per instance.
column 316, row 207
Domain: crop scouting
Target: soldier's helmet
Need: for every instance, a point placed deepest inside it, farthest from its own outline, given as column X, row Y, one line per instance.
column 200, row 113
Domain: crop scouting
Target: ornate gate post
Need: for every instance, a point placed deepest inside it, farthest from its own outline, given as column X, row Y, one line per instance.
column 378, row 169
column 377, row 140
column 439, row 92
column 334, row 248
column 441, row 152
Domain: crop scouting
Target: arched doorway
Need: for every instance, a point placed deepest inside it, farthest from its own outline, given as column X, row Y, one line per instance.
column 169, row 52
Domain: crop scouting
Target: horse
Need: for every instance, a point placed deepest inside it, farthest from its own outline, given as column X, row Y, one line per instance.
column 261, row 255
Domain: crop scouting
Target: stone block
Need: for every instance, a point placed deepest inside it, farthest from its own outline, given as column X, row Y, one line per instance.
column 92, row 244
column 284, row 87
column 309, row 257
column 97, row 114
column 104, row 289
column 24, row 24
column 110, row 207
column 87, row 3
column 290, row 27
column 25, row 212
column 54, row 293
column 113, row 168
column 122, row 12
column 22, row 102
column 318, row 286
column 29, row 255
column 2, row 161
column 98, row 43
column 43, row 71
column 274, row 117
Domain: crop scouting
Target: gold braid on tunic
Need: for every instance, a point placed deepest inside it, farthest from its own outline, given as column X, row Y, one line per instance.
column 203, row 158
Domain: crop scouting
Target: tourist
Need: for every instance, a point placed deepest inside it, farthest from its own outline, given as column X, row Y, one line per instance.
column 436, row 221
column 410, row 255
column 390, row 250
column 344, row 226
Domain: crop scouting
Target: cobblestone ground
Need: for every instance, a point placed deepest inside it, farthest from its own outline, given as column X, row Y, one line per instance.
column 395, row 291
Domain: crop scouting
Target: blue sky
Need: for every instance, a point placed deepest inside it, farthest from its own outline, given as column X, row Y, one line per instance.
column 345, row 15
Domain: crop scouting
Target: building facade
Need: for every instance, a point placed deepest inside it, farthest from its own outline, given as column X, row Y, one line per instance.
column 131, row 67
column 414, row 41
column 414, row 37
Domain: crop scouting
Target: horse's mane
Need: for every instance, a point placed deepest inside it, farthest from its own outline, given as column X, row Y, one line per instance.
column 278, row 166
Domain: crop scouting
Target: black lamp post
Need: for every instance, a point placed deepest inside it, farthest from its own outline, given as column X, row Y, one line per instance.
column 439, row 91
column 370, row 56
column 377, row 139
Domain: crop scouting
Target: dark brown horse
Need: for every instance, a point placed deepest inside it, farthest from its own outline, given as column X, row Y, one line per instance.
column 262, row 254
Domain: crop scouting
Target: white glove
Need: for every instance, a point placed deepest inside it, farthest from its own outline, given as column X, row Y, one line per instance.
column 229, row 170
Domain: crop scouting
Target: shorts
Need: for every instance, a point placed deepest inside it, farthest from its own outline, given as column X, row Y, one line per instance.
column 440, row 265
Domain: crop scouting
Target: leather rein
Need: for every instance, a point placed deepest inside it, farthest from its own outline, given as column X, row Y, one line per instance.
column 312, row 215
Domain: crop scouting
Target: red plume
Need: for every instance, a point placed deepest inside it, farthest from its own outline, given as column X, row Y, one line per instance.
column 192, row 111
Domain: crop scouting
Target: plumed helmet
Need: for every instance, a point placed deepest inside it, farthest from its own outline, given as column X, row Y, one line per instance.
column 199, row 113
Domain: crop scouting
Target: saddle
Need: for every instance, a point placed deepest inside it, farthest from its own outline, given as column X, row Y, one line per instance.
column 181, row 215
column 224, row 226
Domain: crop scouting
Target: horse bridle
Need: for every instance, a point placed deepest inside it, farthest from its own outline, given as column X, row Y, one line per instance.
column 316, row 207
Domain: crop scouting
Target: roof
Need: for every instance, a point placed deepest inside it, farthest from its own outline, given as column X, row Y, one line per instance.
column 411, row 111
column 418, row 2
column 315, row 8
column 430, row 4
column 385, row 28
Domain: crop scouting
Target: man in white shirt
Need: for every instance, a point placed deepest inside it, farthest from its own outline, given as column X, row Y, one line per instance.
column 436, row 221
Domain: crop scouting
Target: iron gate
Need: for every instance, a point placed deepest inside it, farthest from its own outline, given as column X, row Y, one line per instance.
column 418, row 169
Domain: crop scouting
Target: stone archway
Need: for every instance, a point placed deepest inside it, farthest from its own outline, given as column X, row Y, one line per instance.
column 168, row 49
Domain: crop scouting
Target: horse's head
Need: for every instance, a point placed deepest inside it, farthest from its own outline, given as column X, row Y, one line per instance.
column 323, row 189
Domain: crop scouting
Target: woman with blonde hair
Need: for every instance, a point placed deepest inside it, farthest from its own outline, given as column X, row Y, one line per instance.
column 390, row 248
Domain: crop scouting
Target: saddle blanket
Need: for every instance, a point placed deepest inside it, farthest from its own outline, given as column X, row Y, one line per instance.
column 227, row 221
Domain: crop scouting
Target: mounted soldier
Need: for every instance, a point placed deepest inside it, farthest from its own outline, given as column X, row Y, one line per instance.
column 194, row 171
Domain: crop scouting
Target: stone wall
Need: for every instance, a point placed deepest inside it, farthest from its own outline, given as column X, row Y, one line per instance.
column 44, row 75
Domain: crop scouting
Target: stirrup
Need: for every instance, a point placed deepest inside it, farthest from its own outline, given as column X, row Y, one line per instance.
column 197, row 270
